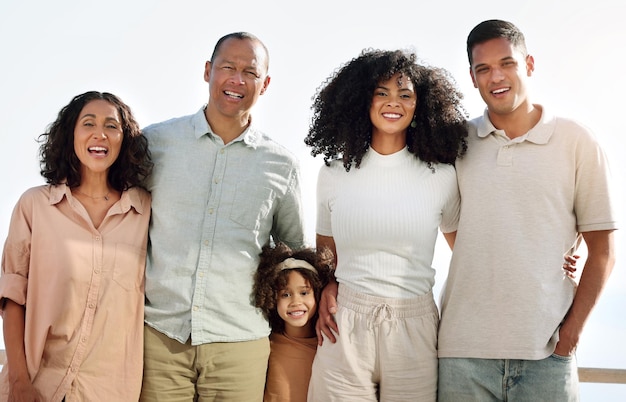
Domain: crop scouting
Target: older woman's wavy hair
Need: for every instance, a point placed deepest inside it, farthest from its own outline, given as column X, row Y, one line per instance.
column 270, row 279
column 341, row 127
column 58, row 160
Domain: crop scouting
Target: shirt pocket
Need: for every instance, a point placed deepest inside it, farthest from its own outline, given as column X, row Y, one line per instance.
column 251, row 204
column 130, row 266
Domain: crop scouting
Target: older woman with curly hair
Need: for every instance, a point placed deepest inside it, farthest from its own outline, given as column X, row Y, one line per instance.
column 287, row 288
column 390, row 129
column 71, row 290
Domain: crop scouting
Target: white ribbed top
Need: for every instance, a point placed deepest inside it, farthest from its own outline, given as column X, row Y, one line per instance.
column 384, row 218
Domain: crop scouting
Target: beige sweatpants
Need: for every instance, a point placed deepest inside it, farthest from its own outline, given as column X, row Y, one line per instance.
column 386, row 350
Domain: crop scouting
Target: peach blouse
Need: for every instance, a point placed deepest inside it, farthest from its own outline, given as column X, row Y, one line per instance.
column 83, row 288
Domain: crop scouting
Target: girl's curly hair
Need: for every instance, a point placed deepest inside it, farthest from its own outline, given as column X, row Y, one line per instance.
column 269, row 280
column 58, row 160
column 341, row 127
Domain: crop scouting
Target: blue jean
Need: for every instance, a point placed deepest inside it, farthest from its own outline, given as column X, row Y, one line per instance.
column 552, row 379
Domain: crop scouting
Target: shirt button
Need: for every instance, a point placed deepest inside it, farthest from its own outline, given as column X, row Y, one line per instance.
column 195, row 308
column 206, row 242
column 210, row 211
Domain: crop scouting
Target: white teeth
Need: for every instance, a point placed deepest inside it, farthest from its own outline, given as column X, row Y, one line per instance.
column 297, row 313
column 97, row 149
column 499, row 91
column 236, row 95
column 392, row 115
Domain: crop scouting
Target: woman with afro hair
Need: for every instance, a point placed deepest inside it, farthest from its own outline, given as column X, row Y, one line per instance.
column 287, row 288
column 390, row 129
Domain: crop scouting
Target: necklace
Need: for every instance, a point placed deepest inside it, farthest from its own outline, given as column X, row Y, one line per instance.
column 106, row 196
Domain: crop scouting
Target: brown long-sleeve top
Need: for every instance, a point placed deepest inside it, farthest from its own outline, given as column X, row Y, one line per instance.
column 289, row 368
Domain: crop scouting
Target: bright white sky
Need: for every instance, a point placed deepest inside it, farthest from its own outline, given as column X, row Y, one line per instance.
column 151, row 53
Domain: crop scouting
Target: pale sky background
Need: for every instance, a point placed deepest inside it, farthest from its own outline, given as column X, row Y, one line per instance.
column 151, row 53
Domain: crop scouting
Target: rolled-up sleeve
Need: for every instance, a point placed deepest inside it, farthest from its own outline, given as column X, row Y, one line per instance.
column 16, row 258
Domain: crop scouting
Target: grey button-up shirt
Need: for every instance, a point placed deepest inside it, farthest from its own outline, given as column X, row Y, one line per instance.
column 214, row 207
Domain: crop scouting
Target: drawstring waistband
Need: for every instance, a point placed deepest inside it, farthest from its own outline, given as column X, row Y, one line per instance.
column 381, row 309
column 382, row 312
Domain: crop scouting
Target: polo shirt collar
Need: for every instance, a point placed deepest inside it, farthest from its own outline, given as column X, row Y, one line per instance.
column 539, row 134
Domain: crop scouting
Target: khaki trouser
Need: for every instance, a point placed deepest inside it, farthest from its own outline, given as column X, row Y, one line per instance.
column 176, row 372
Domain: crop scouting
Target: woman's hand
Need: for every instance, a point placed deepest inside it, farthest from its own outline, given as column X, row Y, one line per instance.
column 327, row 308
column 23, row 391
column 569, row 266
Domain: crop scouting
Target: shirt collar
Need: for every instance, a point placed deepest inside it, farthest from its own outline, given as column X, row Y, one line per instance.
column 130, row 198
column 539, row 134
column 250, row 136
column 58, row 192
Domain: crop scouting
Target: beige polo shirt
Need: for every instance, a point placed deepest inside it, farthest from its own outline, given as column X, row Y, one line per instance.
column 524, row 203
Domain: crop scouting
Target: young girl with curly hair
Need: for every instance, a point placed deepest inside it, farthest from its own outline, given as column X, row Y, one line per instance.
column 390, row 130
column 287, row 287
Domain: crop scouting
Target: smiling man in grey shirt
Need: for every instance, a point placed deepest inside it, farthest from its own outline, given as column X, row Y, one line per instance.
column 221, row 190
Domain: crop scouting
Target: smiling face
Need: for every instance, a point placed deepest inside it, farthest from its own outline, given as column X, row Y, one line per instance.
column 98, row 136
column 296, row 305
column 393, row 106
column 499, row 71
column 237, row 77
